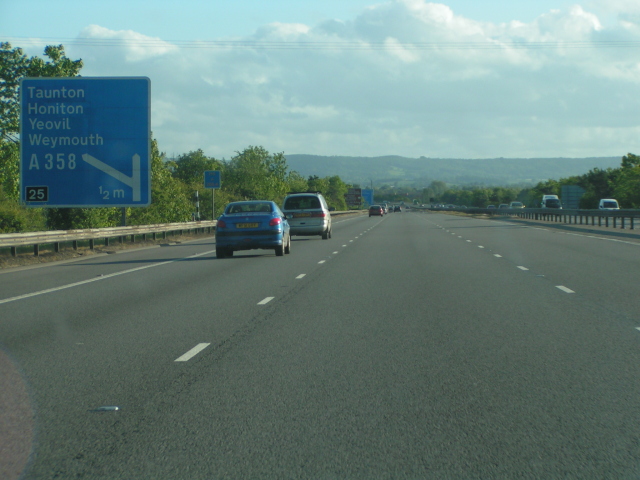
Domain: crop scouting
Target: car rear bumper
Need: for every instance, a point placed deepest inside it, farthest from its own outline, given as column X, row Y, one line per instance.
column 248, row 242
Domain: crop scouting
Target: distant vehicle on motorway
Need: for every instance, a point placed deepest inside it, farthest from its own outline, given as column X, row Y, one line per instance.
column 376, row 210
column 256, row 224
column 608, row 204
column 308, row 214
column 491, row 206
column 550, row 201
column 397, row 208
column 503, row 205
column 516, row 205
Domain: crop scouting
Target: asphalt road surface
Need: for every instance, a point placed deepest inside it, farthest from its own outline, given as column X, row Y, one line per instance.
column 414, row 345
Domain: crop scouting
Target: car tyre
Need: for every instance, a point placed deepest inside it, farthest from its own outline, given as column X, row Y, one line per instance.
column 325, row 234
column 280, row 250
column 287, row 249
column 221, row 252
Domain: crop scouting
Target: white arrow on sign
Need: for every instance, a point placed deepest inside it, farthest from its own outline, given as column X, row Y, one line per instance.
column 133, row 181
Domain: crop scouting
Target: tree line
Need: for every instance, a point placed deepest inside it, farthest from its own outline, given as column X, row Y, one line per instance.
column 621, row 183
column 253, row 173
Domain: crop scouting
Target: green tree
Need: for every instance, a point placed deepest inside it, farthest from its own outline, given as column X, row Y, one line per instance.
column 170, row 198
column 190, row 167
column 256, row 174
column 627, row 185
column 336, row 191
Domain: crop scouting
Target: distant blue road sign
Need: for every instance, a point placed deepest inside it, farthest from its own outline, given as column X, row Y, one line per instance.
column 367, row 195
column 212, row 179
column 85, row 142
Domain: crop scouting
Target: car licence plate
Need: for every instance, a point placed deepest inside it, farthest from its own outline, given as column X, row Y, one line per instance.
column 247, row 225
column 298, row 215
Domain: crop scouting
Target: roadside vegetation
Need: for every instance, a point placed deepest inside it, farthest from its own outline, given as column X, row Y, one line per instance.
column 253, row 173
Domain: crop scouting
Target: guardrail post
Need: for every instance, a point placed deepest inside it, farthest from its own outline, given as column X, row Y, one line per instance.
column 75, row 244
column 615, row 222
column 599, row 221
column 92, row 243
column 133, row 238
column 631, row 222
column 606, row 221
column 14, row 251
column 36, row 250
column 106, row 241
column 622, row 223
column 56, row 247
column 121, row 239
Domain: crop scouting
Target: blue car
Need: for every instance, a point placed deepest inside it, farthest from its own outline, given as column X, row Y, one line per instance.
column 251, row 225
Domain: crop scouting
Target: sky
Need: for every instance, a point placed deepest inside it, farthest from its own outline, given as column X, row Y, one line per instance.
column 457, row 79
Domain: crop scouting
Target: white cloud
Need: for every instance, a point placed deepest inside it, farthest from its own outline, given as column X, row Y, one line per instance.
column 137, row 47
column 406, row 77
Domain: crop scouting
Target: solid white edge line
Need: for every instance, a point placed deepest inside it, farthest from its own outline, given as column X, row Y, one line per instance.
column 104, row 277
column 565, row 289
column 192, row 353
column 496, row 255
column 322, row 261
column 265, row 300
column 523, row 268
column 302, row 275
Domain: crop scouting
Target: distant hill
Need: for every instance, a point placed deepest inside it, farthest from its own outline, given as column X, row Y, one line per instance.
column 419, row 172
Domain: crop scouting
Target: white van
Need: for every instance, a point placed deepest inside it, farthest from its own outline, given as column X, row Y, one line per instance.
column 608, row 204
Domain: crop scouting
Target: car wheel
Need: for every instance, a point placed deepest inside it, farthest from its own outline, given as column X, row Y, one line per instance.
column 325, row 234
column 221, row 252
column 280, row 250
column 287, row 249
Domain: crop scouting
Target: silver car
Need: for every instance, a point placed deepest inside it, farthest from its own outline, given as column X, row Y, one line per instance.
column 308, row 214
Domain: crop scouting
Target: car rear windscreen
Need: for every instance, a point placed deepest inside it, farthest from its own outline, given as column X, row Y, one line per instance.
column 302, row 203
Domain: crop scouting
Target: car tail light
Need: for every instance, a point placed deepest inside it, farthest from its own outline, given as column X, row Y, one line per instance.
column 321, row 214
column 275, row 221
column 221, row 224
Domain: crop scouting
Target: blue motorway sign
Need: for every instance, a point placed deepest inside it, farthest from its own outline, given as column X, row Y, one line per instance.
column 85, row 142
column 212, row 179
column 367, row 195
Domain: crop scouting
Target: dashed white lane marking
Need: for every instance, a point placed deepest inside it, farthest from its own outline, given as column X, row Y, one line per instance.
column 192, row 353
column 265, row 300
column 302, row 275
column 496, row 255
column 469, row 241
column 96, row 279
column 344, row 245
column 523, row 268
column 322, row 261
column 480, row 246
column 637, row 328
column 335, row 253
column 564, row 289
